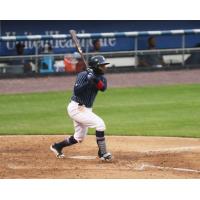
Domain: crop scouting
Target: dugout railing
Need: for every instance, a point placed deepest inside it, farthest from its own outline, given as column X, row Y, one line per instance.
column 121, row 60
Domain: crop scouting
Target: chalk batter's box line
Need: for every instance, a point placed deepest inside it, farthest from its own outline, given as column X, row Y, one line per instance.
column 170, row 150
column 147, row 166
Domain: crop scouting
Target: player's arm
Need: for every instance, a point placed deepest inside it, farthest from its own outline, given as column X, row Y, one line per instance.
column 101, row 84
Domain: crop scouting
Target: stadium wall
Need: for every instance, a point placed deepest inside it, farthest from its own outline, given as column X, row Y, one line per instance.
column 9, row 28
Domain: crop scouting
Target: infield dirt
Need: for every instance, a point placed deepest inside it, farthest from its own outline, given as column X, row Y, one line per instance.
column 135, row 157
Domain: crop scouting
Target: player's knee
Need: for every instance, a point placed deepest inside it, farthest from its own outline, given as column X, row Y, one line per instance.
column 101, row 125
column 79, row 138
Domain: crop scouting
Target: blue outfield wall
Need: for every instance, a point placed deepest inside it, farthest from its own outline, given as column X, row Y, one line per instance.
column 40, row 27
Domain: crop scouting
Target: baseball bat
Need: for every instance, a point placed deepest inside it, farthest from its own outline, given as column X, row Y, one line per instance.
column 77, row 44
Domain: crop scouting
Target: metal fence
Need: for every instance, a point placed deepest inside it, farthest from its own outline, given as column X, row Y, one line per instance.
column 55, row 63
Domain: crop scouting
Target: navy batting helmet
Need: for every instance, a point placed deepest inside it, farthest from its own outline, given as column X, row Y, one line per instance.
column 95, row 63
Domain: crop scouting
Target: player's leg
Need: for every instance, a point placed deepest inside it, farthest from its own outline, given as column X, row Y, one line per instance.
column 58, row 147
column 102, row 152
column 100, row 137
column 84, row 117
column 79, row 135
column 80, row 131
column 89, row 119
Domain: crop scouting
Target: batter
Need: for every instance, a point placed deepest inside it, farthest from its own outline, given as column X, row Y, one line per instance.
column 86, row 87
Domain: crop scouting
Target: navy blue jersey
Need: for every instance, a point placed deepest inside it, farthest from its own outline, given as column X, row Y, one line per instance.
column 85, row 91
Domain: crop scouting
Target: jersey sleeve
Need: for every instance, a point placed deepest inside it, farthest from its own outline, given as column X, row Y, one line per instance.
column 102, row 84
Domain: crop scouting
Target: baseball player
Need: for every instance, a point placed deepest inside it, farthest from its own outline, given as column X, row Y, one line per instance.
column 86, row 87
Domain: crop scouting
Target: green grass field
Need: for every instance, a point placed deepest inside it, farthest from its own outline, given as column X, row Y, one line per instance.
column 160, row 110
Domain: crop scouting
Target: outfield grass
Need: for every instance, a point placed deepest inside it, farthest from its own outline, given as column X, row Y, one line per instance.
column 160, row 110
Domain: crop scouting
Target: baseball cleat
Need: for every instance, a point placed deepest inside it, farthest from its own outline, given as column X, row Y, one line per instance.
column 106, row 157
column 57, row 151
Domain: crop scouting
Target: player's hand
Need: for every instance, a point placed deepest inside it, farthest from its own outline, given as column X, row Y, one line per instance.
column 89, row 70
column 90, row 76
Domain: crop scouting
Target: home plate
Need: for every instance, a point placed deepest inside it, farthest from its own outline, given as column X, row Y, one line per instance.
column 83, row 157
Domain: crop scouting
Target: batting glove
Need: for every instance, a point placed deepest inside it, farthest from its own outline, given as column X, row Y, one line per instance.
column 89, row 70
column 90, row 76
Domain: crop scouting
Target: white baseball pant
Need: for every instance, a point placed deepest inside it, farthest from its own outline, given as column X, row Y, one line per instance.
column 83, row 118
